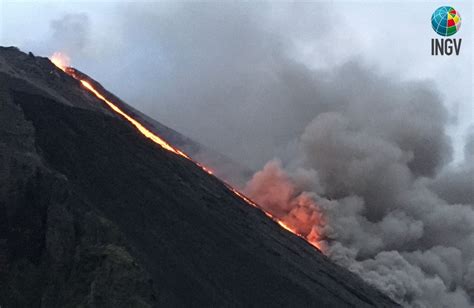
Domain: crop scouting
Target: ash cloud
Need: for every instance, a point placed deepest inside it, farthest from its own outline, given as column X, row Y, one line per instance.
column 70, row 34
column 223, row 74
column 71, row 30
column 361, row 157
column 392, row 211
column 373, row 214
column 456, row 185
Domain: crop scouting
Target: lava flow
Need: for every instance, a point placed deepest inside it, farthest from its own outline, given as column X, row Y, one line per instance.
column 62, row 62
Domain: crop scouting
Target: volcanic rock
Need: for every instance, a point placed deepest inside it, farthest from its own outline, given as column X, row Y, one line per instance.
column 93, row 214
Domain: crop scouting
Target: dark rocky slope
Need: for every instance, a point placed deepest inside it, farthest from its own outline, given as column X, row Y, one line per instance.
column 92, row 214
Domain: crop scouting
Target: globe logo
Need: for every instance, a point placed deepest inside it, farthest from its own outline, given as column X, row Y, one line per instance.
column 446, row 21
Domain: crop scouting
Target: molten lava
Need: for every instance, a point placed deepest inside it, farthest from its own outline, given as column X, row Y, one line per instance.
column 62, row 61
column 147, row 133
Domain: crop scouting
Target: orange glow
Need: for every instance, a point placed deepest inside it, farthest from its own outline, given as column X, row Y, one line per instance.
column 288, row 228
column 278, row 221
column 147, row 133
column 204, row 168
column 61, row 60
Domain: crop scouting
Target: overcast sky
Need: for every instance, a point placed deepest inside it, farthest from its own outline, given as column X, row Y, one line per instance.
column 113, row 43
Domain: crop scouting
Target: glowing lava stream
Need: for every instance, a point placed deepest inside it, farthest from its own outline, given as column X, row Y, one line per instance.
column 147, row 133
column 135, row 123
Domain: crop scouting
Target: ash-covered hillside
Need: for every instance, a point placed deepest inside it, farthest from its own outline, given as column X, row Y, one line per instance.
column 93, row 214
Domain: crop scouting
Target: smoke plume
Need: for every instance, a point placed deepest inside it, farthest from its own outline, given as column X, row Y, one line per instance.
column 71, row 29
column 392, row 211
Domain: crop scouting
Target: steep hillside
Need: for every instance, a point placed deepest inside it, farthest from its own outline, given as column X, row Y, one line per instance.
column 93, row 214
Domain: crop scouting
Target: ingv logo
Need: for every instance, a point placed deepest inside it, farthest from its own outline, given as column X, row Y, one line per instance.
column 446, row 21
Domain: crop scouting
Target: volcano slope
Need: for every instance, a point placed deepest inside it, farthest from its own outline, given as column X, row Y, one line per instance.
column 93, row 214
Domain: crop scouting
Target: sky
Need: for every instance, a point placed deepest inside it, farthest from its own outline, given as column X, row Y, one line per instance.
column 392, row 37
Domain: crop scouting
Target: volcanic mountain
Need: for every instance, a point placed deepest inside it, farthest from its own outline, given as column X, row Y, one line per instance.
column 94, row 214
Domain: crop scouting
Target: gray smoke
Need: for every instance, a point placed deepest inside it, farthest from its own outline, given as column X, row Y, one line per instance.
column 362, row 157
column 222, row 74
column 456, row 185
column 388, row 214
column 70, row 34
